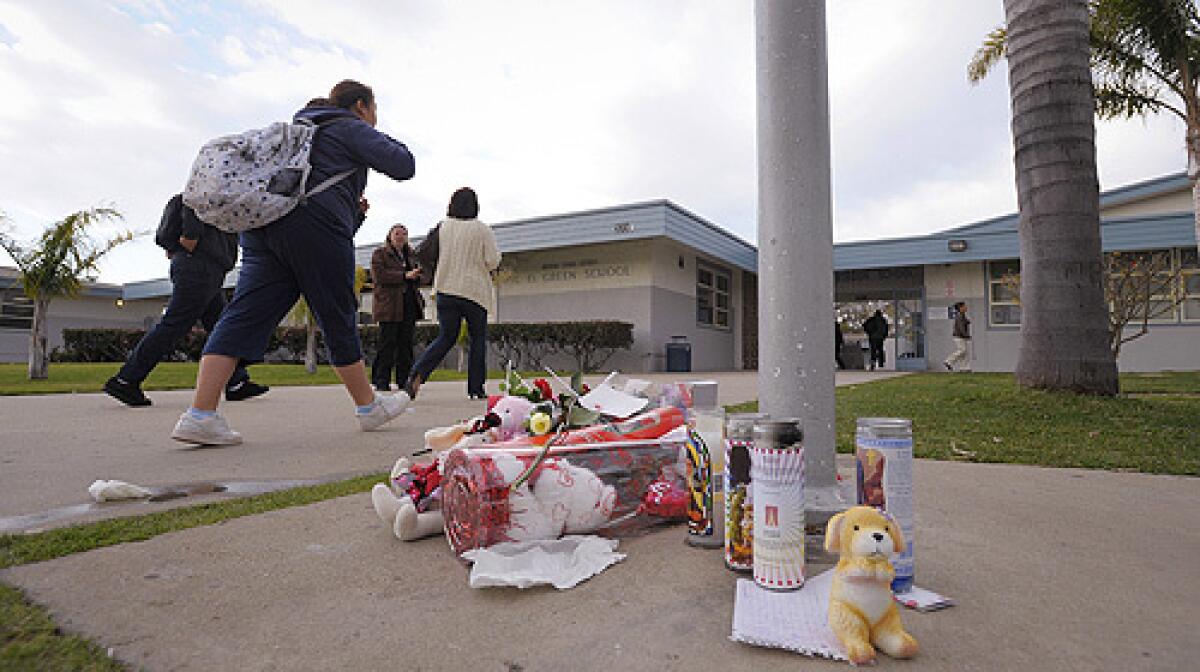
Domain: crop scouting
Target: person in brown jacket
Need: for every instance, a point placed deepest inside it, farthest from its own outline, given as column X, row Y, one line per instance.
column 397, row 306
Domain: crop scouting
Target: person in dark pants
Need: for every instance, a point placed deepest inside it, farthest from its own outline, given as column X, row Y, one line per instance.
column 396, row 304
column 838, row 342
column 466, row 256
column 309, row 252
column 200, row 258
column 876, row 328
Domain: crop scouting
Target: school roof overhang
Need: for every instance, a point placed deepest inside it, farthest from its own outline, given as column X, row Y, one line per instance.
column 9, row 279
column 637, row 221
column 999, row 240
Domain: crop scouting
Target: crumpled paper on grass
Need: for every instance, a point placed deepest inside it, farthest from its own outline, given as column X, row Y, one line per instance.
column 563, row 563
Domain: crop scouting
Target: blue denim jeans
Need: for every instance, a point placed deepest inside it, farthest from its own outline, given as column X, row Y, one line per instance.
column 452, row 310
column 196, row 294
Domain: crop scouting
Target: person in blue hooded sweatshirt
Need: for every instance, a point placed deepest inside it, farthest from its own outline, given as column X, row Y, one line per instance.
column 310, row 253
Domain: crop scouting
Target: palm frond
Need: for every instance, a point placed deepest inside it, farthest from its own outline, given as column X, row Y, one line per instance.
column 993, row 49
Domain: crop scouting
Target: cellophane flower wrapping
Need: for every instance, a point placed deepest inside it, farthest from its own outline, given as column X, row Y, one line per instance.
column 613, row 488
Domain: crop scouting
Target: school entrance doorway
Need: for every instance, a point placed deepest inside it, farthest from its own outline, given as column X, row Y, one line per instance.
column 899, row 296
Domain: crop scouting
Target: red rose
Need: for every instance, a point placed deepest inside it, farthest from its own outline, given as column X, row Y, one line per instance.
column 543, row 387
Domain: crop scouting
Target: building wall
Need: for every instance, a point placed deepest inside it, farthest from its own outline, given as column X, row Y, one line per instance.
column 1179, row 201
column 995, row 348
column 81, row 313
column 641, row 282
column 945, row 285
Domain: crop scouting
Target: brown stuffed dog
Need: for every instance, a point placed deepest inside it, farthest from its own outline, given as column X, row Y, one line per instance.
column 861, row 609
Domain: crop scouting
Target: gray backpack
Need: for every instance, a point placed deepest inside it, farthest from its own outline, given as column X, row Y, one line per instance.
column 248, row 180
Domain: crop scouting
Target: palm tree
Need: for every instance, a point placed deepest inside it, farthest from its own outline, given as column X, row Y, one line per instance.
column 1064, row 323
column 1145, row 59
column 302, row 314
column 56, row 266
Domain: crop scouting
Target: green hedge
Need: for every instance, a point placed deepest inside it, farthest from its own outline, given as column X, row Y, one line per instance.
column 525, row 344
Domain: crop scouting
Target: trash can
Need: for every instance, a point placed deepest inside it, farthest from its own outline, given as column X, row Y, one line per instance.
column 679, row 354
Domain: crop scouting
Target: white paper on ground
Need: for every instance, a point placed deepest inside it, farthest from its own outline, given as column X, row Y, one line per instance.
column 562, row 563
column 611, row 401
column 923, row 600
column 796, row 620
column 104, row 491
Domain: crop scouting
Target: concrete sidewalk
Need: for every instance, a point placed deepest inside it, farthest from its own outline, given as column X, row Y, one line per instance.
column 1052, row 568
column 56, row 445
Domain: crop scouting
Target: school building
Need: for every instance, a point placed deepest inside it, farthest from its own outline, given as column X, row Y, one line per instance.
column 689, row 286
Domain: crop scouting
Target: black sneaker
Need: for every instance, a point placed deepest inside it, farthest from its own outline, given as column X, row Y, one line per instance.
column 245, row 390
column 125, row 392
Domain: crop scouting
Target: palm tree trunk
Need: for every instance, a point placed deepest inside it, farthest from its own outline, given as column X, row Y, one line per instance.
column 1064, row 322
column 310, row 348
column 39, row 359
column 1193, row 149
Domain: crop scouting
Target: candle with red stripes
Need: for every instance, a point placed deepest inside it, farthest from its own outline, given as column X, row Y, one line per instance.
column 777, row 471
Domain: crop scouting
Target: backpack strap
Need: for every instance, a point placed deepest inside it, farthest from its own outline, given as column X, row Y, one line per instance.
column 328, row 182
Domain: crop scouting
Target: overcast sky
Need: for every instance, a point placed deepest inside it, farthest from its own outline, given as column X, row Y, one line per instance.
column 542, row 107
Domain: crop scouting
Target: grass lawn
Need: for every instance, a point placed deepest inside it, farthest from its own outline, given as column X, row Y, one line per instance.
column 90, row 377
column 985, row 417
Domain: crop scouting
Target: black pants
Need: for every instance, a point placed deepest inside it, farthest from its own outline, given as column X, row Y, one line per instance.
column 452, row 310
column 876, row 351
column 196, row 295
column 395, row 352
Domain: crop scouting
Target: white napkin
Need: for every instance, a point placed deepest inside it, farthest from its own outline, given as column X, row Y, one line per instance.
column 562, row 563
column 104, row 491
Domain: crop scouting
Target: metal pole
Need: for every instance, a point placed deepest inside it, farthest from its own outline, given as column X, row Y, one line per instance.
column 795, row 237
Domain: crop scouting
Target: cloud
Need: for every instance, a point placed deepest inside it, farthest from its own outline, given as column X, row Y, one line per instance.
column 542, row 107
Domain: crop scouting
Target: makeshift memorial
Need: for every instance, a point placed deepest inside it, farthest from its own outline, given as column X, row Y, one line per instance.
column 862, row 610
column 706, row 468
column 601, row 488
column 884, row 466
column 409, row 503
column 777, row 471
column 739, row 499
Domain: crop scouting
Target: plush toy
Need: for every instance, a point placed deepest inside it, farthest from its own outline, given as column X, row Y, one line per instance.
column 862, row 610
column 406, row 502
column 513, row 412
column 563, row 499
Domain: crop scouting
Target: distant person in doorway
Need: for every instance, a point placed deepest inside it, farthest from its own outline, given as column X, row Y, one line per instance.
column 876, row 328
column 396, row 304
column 962, row 338
column 200, row 257
column 839, row 341
column 466, row 256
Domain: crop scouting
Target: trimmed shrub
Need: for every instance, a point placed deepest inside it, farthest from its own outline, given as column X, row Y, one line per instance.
column 526, row 344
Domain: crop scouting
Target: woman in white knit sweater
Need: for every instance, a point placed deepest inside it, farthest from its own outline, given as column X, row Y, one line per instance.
column 467, row 255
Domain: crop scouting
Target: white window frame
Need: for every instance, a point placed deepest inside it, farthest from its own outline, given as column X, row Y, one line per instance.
column 710, row 293
column 1187, row 271
column 995, row 284
column 13, row 305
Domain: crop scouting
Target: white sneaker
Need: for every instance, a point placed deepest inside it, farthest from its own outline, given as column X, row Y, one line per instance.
column 387, row 408
column 211, row 431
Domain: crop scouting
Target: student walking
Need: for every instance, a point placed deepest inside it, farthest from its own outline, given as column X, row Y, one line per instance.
column 962, row 338
column 466, row 255
column 309, row 252
column 200, row 257
column 839, row 342
column 396, row 305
